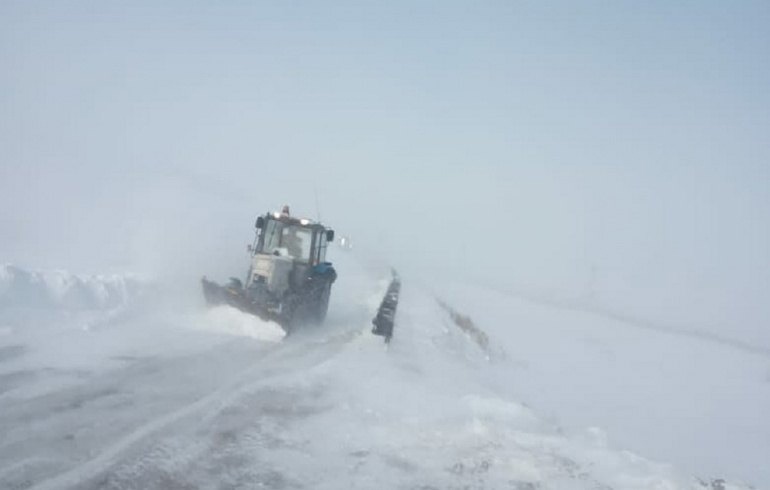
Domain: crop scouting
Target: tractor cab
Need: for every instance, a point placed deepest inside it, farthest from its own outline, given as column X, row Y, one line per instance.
column 301, row 240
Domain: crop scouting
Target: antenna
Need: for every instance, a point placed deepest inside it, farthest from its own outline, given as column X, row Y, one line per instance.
column 317, row 207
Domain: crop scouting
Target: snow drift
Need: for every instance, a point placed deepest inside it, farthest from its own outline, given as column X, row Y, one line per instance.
column 58, row 289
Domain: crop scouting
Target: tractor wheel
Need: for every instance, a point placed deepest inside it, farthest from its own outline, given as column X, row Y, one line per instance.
column 322, row 303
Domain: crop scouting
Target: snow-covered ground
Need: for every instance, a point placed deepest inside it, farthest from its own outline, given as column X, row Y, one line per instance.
column 699, row 401
column 127, row 387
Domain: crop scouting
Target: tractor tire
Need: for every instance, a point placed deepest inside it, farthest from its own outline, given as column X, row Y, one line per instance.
column 322, row 303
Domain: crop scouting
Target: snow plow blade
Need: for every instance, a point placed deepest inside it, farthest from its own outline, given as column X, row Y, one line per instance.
column 233, row 295
column 386, row 314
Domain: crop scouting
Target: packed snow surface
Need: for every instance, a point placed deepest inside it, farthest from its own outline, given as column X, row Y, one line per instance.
column 99, row 390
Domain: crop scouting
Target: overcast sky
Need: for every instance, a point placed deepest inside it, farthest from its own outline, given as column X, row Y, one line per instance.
column 608, row 150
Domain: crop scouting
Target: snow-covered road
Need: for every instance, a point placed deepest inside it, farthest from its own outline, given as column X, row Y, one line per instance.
column 168, row 397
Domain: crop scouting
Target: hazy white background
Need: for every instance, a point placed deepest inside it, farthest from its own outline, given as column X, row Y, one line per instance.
column 613, row 154
column 600, row 156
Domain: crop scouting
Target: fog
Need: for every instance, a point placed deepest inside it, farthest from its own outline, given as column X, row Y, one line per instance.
column 605, row 157
column 614, row 153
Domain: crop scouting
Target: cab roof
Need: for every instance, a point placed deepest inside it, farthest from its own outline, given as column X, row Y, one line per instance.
column 291, row 220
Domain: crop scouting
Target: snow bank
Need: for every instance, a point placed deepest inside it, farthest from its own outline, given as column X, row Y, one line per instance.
column 58, row 289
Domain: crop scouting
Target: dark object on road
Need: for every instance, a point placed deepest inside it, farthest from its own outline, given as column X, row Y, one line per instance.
column 386, row 315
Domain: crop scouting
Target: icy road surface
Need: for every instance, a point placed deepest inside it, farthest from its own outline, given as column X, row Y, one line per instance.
column 103, row 389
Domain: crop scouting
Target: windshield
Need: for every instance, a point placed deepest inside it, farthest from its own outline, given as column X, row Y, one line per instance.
column 287, row 240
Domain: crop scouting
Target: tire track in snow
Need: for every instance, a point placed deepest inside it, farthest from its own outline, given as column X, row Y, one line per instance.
column 302, row 355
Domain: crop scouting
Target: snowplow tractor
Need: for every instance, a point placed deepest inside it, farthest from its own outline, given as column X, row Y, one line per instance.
column 289, row 280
